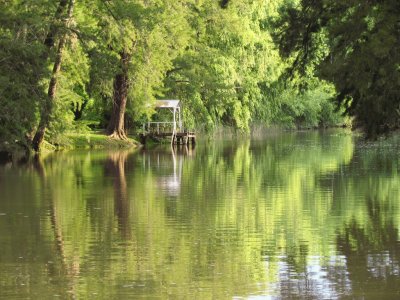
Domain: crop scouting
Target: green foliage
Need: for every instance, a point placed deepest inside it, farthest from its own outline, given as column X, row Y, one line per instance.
column 152, row 33
column 71, row 95
column 165, row 35
column 218, row 58
column 21, row 86
column 355, row 46
column 285, row 105
column 217, row 77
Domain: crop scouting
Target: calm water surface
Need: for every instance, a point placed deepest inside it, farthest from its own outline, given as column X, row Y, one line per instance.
column 298, row 215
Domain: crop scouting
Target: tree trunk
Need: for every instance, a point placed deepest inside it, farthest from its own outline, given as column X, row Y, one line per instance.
column 78, row 109
column 49, row 40
column 51, row 93
column 116, row 128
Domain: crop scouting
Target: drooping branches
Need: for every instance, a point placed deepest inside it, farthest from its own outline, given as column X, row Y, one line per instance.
column 355, row 46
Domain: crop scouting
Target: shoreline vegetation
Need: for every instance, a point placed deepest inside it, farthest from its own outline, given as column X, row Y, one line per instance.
column 96, row 140
column 72, row 67
column 72, row 141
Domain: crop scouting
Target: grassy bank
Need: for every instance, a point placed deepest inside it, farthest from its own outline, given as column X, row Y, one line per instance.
column 72, row 141
column 95, row 141
column 88, row 140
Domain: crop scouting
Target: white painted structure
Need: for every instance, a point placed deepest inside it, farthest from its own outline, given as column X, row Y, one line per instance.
column 174, row 107
column 173, row 129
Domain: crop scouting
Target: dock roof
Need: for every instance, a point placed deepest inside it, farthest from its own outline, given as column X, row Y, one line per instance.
column 166, row 103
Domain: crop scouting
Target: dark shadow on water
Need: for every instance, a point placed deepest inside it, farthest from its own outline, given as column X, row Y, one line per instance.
column 115, row 168
column 5, row 157
column 67, row 271
column 372, row 253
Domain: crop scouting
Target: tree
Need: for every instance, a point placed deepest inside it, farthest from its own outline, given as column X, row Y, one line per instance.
column 354, row 45
column 121, row 85
column 219, row 75
column 67, row 64
column 47, row 110
column 139, row 39
column 22, row 68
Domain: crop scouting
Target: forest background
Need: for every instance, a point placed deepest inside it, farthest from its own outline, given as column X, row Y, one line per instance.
column 71, row 67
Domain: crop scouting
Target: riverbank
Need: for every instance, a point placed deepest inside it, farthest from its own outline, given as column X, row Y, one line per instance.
column 96, row 141
column 73, row 141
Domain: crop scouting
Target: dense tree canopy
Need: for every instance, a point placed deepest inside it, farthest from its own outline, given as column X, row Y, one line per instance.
column 71, row 66
column 354, row 45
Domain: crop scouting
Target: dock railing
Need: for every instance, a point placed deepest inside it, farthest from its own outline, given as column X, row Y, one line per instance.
column 159, row 130
column 161, row 127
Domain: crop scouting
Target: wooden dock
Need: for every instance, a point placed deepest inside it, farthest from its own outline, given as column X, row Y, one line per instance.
column 177, row 138
column 184, row 138
column 160, row 130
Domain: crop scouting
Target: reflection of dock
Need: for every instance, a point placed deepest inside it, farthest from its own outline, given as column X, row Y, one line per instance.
column 167, row 164
column 184, row 138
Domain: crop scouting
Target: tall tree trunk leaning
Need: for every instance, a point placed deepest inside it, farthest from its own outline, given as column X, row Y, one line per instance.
column 50, row 37
column 51, row 93
column 49, row 43
column 116, row 128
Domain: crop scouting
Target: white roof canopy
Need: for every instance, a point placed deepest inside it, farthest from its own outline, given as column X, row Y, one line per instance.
column 166, row 103
column 173, row 107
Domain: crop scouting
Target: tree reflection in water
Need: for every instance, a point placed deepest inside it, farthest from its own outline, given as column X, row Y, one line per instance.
column 285, row 218
column 115, row 168
column 372, row 252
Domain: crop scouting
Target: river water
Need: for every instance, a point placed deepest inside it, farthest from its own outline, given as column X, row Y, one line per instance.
column 305, row 215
